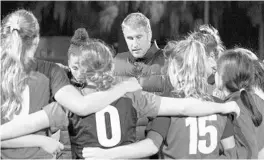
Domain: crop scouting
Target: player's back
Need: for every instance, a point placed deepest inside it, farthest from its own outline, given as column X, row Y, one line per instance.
column 114, row 125
column 38, row 85
column 194, row 137
column 246, row 142
column 260, row 130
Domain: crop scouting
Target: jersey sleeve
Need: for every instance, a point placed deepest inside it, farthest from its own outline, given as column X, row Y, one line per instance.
column 57, row 76
column 57, row 115
column 39, row 91
column 229, row 128
column 157, row 130
column 147, row 104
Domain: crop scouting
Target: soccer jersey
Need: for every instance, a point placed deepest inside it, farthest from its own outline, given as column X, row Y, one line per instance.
column 194, row 137
column 112, row 126
column 39, row 97
column 191, row 137
column 246, row 142
column 260, row 130
column 56, row 75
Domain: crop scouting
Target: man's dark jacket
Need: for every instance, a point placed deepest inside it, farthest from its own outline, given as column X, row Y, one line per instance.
column 148, row 70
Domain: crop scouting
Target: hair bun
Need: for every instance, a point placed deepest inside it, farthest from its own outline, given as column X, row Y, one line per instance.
column 80, row 36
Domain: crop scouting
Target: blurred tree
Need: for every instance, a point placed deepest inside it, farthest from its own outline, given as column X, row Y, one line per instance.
column 217, row 10
column 206, row 11
column 169, row 19
column 255, row 10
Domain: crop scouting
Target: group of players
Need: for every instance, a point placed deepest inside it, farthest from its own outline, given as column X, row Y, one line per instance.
column 101, row 110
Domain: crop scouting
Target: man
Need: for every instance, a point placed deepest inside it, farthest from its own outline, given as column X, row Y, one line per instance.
column 144, row 60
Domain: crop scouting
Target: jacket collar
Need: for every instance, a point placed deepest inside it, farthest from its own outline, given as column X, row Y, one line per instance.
column 148, row 56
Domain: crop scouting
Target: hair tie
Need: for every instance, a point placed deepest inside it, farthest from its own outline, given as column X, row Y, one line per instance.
column 14, row 26
column 242, row 89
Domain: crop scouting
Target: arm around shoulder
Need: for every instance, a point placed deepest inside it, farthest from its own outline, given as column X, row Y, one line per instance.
column 71, row 98
column 194, row 107
column 139, row 149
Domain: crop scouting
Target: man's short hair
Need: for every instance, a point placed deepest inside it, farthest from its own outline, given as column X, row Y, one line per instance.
column 137, row 20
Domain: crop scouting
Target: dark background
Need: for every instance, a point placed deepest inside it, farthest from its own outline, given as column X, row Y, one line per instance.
column 240, row 23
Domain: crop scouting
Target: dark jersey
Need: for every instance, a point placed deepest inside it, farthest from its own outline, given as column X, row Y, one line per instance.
column 245, row 131
column 56, row 75
column 194, row 137
column 260, row 130
column 191, row 137
column 114, row 125
column 39, row 97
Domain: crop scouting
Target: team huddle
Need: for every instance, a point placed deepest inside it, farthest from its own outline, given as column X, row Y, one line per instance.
column 198, row 99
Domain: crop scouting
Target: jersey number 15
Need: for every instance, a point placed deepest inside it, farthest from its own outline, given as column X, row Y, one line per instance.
column 198, row 128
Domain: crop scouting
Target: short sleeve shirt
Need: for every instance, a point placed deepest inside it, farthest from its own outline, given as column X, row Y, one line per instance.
column 112, row 126
column 57, row 76
column 260, row 130
column 147, row 104
column 184, row 133
column 39, row 97
column 245, row 130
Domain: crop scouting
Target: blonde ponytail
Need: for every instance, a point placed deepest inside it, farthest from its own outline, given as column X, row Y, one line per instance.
column 18, row 31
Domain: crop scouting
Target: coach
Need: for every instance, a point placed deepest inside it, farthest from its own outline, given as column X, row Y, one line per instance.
column 144, row 60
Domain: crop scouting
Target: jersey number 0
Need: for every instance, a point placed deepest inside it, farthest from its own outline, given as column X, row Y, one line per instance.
column 198, row 128
column 115, row 126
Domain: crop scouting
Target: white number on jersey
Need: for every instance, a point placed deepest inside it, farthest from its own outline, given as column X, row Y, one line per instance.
column 198, row 128
column 115, row 126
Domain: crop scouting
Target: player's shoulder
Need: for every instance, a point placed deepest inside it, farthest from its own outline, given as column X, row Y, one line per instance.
column 38, row 79
column 39, row 63
column 125, row 100
column 217, row 100
column 46, row 67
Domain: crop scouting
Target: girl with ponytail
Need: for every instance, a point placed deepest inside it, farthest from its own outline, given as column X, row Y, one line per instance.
column 187, row 70
column 96, row 64
column 79, row 39
column 214, row 47
column 235, row 77
column 28, row 84
column 258, row 83
column 19, row 36
column 23, row 91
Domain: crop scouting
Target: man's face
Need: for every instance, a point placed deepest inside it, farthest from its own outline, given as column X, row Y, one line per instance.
column 138, row 41
column 74, row 66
